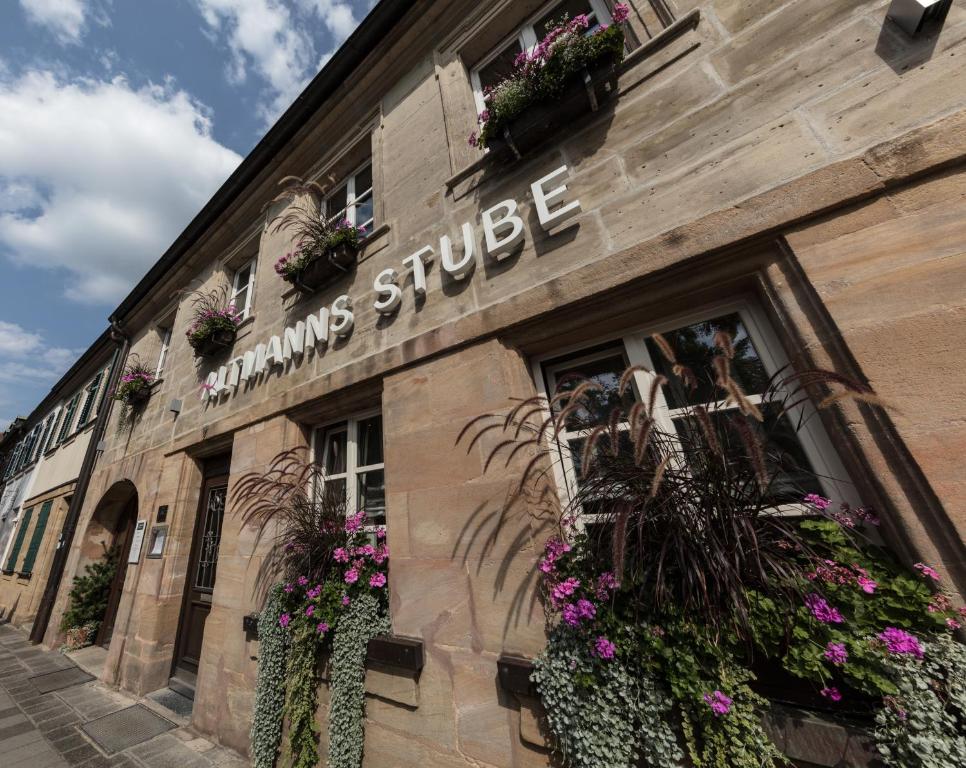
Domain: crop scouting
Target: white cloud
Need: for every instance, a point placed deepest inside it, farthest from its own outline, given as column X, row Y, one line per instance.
column 28, row 364
column 337, row 16
column 64, row 18
column 107, row 175
column 262, row 35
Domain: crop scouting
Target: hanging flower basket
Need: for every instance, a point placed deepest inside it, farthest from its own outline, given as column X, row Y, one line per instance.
column 136, row 397
column 216, row 342
column 134, row 388
column 586, row 92
column 325, row 252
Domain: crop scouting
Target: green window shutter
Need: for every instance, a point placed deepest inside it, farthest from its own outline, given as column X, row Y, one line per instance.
column 68, row 422
column 92, row 391
column 18, row 542
column 37, row 538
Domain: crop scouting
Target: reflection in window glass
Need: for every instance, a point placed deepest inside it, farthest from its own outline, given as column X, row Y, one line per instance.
column 501, row 67
column 568, row 8
column 604, row 371
column 352, row 462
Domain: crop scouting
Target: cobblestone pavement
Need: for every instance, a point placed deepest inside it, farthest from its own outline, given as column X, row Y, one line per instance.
column 42, row 730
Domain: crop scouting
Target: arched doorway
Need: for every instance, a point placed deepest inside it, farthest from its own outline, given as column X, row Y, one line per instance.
column 110, row 530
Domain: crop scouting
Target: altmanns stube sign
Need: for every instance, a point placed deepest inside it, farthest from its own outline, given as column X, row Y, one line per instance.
column 503, row 232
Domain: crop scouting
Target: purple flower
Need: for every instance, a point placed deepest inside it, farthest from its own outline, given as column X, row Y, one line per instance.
column 484, row 116
column 822, row 611
column 322, row 628
column 586, row 609
column 818, row 501
column 868, row 585
column 345, row 600
column 310, row 610
column 604, row 648
column 570, row 615
column 832, row 693
column 719, row 703
column 900, row 643
column 351, row 576
column 283, row 620
column 354, row 522
column 563, row 590
column 288, row 588
column 377, row 580
column 620, row 13
column 340, row 555
column 606, row 583
column 836, row 653
column 925, row 570
column 473, row 140
column 302, row 581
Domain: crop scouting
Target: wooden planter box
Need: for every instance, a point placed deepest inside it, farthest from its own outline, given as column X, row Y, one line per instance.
column 216, row 343
column 590, row 89
column 137, row 397
column 325, row 270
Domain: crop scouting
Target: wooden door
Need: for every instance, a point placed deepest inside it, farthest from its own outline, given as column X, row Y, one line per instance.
column 122, row 540
column 202, row 570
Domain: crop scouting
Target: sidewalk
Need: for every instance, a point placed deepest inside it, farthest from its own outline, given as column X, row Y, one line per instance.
column 44, row 730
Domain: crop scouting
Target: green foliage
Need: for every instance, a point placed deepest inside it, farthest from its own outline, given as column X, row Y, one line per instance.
column 603, row 712
column 266, row 733
column 924, row 724
column 302, row 691
column 87, row 601
column 364, row 619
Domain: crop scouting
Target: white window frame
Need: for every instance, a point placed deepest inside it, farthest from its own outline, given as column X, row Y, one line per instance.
column 165, row 347
column 51, row 440
column 244, row 312
column 815, row 442
column 352, row 469
column 526, row 35
column 352, row 195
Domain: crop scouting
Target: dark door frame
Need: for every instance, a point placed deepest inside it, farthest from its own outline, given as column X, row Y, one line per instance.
column 122, row 541
column 211, row 481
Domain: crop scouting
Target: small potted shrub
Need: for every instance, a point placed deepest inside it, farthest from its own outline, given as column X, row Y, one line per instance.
column 570, row 71
column 214, row 324
column 135, row 386
column 324, row 250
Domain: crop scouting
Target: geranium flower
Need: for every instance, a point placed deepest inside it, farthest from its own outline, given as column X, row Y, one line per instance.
column 351, row 576
column 832, row 693
column 868, row 585
column 953, row 624
column 836, row 653
column 288, row 588
column 822, row 611
column 345, row 600
column 310, row 610
column 900, row 643
column 377, row 580
column 322, row 628
column 818, row 501
column 570, row 615
column 604, row 648
column 925, row 570
column 564, row 589
column 340, row 555
column 620, row 13
column 719, row 703
column 586, row 609
column 283, row 620
column 302, row 581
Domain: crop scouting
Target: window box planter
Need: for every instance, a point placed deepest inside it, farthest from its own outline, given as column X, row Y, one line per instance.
column 137, row 397
column 215, row 343
column 324, row 270
column 586, row 92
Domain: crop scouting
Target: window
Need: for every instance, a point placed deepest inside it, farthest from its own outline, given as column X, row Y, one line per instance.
column 12, row 465
column 352, row 200
column 11, row 564
column 165, row 334
column 497, row 66
column 67, row 424
column 92, row 390
column 51, row 440
column 806, row 462
column 27, row 457
column 45, row 434
column 351, row 456
column 37, row 538
column 243, row 287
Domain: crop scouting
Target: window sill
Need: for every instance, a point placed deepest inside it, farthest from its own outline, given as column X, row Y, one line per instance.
column 245, row 327
column 7, row 572
column 25, row 575
column 660, row 41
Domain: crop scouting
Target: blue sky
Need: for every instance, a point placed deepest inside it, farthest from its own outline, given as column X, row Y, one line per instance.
column 118, row 120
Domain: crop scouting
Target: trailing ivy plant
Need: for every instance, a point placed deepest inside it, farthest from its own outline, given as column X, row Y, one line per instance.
column 364, row 619
column 671, row 566
column 266, row 733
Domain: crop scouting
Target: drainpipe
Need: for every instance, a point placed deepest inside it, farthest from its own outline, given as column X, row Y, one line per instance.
column 46, row 607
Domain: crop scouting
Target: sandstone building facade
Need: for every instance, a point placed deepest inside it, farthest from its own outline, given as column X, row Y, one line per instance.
column 794, row 168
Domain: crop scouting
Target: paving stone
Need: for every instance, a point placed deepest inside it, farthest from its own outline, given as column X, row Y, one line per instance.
column 81, row 754
column 15, row 730
column 58, row 722
column 28, row 737
column 70, row 742
column 61, row 733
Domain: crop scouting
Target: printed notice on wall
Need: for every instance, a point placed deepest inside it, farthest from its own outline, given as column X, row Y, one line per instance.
column 137, row 541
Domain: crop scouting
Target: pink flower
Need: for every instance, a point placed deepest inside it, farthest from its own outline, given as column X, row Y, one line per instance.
column 381, row 534
column 283, row 620
column 604, row 648
column 606, row 583
column 818, row 501
column 719, row 703
column 340, row 555
column 570, row 615
column 868, row 585
column 953, row 624
column 586, row 609
column 288, row 588
column 351, row 576
column 620, row 13
column 322, row 628
column 345, row 600
column 484, row 115
column 354, row 522
column 822, row 611
column 473, row 141
column 925, row 570
column 900, row 643
column 836, row 653
column 310, row 610
column 377, row 580
column 563, row 590
column 302, row 581
column 832, row 693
